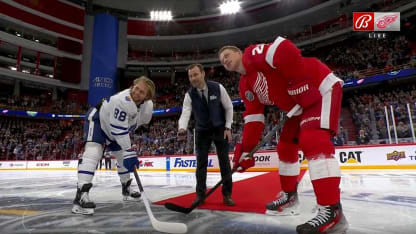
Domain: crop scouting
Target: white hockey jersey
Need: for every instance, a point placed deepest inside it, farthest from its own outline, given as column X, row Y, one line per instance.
column 120, row 115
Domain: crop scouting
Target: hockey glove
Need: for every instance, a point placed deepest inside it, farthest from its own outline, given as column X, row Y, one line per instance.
column 239, row 161
column 304, row 93
column 130, row 160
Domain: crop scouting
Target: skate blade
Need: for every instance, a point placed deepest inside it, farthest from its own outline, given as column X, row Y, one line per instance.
column 84, row 211
column 131, row 199
column 287, row 212
column 340, row 228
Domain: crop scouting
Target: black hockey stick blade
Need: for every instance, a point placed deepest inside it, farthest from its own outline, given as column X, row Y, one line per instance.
column 178, row 208
column 187, row 210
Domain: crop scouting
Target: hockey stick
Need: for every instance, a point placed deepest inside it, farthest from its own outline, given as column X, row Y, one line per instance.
column 268, row 137
column 160, row 226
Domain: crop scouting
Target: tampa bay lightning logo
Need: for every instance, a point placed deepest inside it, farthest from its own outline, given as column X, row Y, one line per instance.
column 249, row 95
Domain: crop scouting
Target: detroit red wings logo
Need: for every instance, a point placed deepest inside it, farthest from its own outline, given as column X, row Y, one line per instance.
column 262, row 89
column 386, row 21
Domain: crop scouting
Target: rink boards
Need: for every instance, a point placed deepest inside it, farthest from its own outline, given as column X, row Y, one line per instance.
column 402, row 156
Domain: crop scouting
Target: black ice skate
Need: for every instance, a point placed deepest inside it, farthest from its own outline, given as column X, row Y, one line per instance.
column 285, row 204
column 82, row 202
column 128, row 194
column 329, row 219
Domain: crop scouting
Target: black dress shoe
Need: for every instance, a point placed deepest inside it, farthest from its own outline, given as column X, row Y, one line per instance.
column 198, row 200
column 228, row 201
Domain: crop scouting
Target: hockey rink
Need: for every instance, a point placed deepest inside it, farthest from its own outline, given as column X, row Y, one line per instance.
column 374, row 202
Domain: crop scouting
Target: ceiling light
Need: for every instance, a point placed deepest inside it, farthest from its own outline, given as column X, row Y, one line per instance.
column 161, row 15
column 230, row 7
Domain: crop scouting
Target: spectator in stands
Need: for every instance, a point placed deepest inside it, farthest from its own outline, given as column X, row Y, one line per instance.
column 403, row 130
column 362, row 138
column 337, row 141
column 18, row 152
column 343, row 135
column 212, row 108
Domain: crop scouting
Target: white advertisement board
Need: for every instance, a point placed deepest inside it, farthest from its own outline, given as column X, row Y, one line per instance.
column 58, row 164
column 402, row 156
column 188, row 163
column 152, row 163
column 266, row 160
column 12, row 165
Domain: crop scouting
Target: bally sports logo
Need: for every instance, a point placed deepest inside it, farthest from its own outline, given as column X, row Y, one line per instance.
column 376, row 21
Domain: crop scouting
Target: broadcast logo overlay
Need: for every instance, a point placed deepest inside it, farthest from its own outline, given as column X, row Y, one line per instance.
column 376, row 21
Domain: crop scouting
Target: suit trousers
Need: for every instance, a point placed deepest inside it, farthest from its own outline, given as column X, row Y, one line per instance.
column 204, row 139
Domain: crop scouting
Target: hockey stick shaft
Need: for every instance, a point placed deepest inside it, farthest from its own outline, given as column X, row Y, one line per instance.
column 265, row 139
column 160, row 226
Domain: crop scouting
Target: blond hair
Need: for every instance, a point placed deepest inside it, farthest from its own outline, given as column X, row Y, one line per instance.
column 228, row 47
column 149, row 83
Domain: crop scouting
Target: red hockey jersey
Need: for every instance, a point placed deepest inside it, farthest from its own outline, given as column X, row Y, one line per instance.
column 270, row 69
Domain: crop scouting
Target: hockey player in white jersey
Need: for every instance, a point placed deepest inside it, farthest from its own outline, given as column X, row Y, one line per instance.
column 109, row 123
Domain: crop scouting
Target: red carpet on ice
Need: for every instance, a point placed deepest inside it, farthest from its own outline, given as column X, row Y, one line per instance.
column 250, row 195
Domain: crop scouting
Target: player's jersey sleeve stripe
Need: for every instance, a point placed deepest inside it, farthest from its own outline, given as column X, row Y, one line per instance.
column 118, row 127
column 119, row 134
column 328, row 82
column 272, row 50
column 254, row 118
column 86, row 172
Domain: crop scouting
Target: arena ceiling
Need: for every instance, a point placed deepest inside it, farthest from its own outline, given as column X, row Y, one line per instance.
column 179, row 8
column 239, row 36
column 266, row 31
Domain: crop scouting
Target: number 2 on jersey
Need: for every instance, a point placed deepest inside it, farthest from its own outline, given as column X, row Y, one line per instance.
column 258, row 49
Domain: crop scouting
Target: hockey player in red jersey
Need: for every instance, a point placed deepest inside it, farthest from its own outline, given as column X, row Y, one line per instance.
column 277, row 74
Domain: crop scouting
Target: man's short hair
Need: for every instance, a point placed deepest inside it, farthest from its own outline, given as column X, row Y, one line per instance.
column 149, row 83
column 201, row 68
column 228, row 47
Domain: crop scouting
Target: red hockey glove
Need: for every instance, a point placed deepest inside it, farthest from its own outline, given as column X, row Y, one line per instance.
column 240, row 161
column 304, row 94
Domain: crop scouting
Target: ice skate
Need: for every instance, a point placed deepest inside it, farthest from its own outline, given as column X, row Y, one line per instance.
column 82, row 203
column 329, row 219
column 285, row 204
column 128, row 194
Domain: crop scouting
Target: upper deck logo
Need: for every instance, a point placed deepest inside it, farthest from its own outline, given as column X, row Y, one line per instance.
column 363, row 21
column 396, row 155
column 376, row 21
